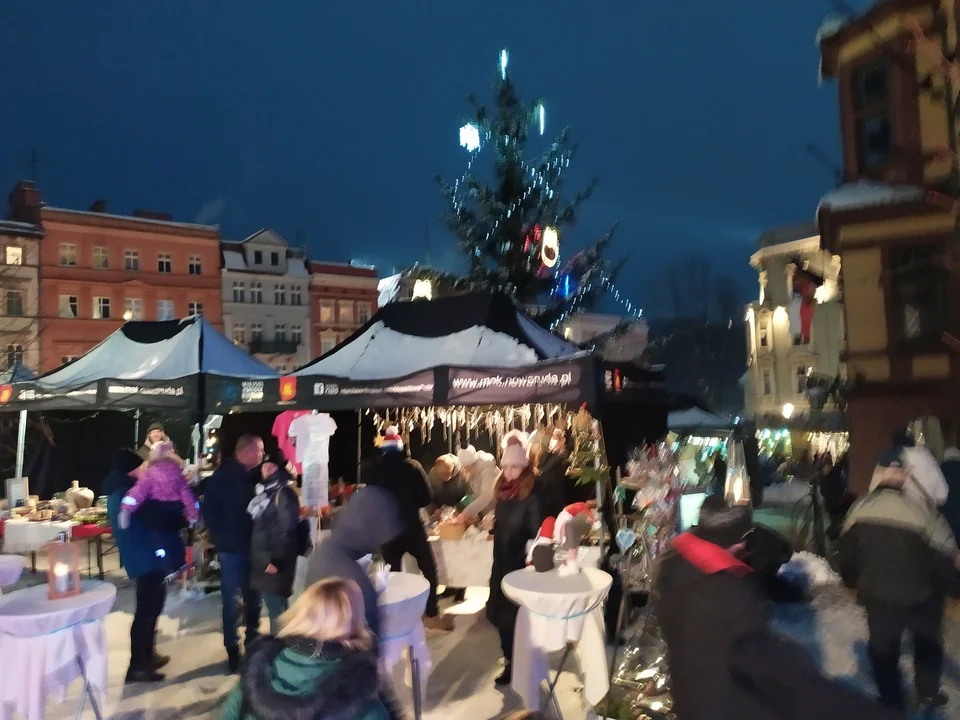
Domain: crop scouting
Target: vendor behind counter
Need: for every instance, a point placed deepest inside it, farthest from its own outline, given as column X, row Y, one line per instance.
column 448, row 486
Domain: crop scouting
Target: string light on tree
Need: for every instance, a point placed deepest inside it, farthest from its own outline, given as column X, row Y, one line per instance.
column 470, row 137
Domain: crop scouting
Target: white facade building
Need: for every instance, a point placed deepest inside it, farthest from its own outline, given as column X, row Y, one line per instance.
column 623, row 348
column 20, row 321
column 266, row 299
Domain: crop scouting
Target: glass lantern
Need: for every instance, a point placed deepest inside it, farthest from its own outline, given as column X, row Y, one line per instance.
column 63, row 576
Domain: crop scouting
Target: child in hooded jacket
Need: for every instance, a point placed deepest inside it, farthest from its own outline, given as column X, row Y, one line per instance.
column 163, row 480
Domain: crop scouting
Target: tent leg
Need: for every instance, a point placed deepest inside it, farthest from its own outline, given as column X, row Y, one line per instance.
column 359, row 443
column 136, row 428
column 21, row 442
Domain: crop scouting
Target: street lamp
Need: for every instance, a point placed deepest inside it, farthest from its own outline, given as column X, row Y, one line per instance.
column 788, row 411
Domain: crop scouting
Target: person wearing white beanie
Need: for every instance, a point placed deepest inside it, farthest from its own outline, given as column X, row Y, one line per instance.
column 481, row 471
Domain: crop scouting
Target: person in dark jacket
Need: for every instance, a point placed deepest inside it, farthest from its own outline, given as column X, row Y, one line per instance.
column 150, row 548
column 552, row 467
column 368, row 521
column 273, row 550
column 448, row 486
column 951, row 473
column 718, row 484
column 900, row 555
column 517, row 520
column 226, row 497
column 322, row 665
column 725, row 661
column 405, row 478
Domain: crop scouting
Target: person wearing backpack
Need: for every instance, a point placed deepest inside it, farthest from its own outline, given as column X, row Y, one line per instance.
column 276, row 539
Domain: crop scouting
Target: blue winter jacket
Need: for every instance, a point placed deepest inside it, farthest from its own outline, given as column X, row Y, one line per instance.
column 152, row 541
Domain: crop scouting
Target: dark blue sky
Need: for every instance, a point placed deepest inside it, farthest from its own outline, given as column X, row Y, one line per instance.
column 326, row 119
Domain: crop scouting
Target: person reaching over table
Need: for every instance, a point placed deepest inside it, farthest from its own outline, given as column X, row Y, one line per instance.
column 481, row 471
column 448, row 486
column 322, row 665
column 150, row 548
column 517, row 520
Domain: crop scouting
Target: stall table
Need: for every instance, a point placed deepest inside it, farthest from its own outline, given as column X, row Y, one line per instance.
column 22, row 537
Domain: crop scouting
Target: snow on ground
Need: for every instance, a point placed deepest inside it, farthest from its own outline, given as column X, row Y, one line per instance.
column 461, row 685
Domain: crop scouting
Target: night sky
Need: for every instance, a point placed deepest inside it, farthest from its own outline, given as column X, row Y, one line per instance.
column 326, row 120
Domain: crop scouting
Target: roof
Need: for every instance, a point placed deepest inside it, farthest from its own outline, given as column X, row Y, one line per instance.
column 787, row 234
column 483, row 330
column 91, row 217
column 867, row 193
column 335, row 268
column 12, row 227
column 234, row 254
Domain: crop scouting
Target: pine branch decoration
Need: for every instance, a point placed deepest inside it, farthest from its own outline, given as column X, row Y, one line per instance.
column 587, row 462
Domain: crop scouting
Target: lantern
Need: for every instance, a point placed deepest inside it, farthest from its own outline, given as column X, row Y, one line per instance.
column 63, row 577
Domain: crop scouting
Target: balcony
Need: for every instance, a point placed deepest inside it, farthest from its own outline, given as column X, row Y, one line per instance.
column 273, row 347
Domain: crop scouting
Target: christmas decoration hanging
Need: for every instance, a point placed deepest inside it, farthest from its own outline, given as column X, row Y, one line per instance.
column 549, row 247
column 587, row 462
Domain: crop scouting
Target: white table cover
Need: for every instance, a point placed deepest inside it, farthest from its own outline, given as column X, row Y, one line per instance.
column 40, row 640
column 402, row 606
column 468, row 563
column 23, row 536
column 11, row 566
column 555, row 611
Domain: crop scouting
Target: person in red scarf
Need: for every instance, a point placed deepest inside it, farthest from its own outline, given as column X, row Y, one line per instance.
column 517, row 520
column 725, row 661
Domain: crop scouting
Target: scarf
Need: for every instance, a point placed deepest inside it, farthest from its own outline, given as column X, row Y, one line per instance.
column 262, row 499
column 515, row 489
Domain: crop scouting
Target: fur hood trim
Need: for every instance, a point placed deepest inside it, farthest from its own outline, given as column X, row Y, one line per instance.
column 345, row 691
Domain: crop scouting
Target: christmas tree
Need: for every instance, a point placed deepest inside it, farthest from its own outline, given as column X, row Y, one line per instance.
column 511, row 229
column 587, row 463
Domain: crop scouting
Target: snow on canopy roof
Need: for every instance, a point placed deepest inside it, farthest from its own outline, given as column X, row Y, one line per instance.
column 475, row 330
column 164, row 350
column 696, row 419
column 866, row 193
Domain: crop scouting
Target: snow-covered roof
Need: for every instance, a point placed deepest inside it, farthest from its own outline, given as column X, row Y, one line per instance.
column 477, row 330
column 830, row 26
column 233, row 260
column 151, row 351
column 136, row 219
column 867, row 193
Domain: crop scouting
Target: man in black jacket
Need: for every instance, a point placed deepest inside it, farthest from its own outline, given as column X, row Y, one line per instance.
column 227, row 495
column 405, row 478
column 899, row 553
column 725, row 662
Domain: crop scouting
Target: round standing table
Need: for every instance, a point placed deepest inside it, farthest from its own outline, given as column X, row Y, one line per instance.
column 47, row 644
column 558, row 613
column 10, row 568
column 402, row 606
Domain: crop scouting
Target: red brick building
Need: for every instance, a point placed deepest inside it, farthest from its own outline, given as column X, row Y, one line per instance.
column 342, row 298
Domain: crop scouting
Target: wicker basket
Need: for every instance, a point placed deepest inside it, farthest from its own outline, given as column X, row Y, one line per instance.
column 451, row 531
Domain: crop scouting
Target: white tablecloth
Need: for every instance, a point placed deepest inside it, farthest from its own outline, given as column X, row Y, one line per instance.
column 402, row 606
column 467, row 563
column 555, row 611
column 10, row 568
column 23, row 536
column 40, row 640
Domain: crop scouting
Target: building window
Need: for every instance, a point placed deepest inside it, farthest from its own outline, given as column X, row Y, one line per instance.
column 257, row 257
column 764, row 333
column 164, row 309
column 101, row 259
column 256, row 293
column 194, row 308
column 918, row 289
column 275, row 259
column 131, row 260
column 101, row 308
column 14, row 255
column 280, row 332
column 801, row 376
column 363, row 314
column 239, row 291
column 194, row 265
column 132, row 309
column 296, row 334
column 346, row 313
column 296, row 295
column 326, row 313
column 68, row 359
column 14, row 303
column 871, row 107
column 256, row 332
column 327, row 344
column 279, row 294
column 68, row 306
column 14, row 355
column 68, row 255
column 767, row 376
column 239, row 334
column 164, row 264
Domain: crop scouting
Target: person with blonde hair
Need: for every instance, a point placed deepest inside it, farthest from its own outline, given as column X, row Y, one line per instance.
column 321, row 665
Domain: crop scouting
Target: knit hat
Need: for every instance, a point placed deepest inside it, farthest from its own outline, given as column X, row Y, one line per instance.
column 126, row 461
column 467, row 456
column 155, row 426
column 722, row 524
column 515, row 450
column 391, row 440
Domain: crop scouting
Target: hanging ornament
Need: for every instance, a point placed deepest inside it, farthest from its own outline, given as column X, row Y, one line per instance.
column 549, row 247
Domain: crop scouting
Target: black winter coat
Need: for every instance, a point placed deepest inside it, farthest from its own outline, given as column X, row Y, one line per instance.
column 516, row 522
column 725, row 662
column 896, row 550
column 405, row 479
column 274, row 539
column 227, row 494
column 553, row 484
